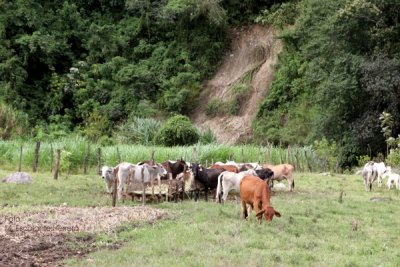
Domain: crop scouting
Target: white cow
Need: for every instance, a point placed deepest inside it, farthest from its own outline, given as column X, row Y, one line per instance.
column 146, row 174
column 393, row 180
column 381, row 170
column 107, row 173
column 369, row 174
column 124, row 172
column 228, row 181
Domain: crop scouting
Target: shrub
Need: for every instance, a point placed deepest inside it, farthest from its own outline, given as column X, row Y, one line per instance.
column 178, row 130
column 213, row 107
column 207, row 137
column 138, row 131
column 393, row 158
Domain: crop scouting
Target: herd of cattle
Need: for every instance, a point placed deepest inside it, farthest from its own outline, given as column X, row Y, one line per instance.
column 250, row 180
column 378, row 171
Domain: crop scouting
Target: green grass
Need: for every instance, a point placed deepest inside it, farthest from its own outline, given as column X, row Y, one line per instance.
column 315, row 228
column 73, row 151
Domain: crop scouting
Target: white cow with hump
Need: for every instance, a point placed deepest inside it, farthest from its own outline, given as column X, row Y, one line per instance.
column 369, row 174
column 228, row 181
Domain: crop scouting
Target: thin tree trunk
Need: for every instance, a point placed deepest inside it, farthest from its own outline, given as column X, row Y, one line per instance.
column 36, row 158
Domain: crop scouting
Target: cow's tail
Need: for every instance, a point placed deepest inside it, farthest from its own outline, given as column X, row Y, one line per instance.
column 219, row 188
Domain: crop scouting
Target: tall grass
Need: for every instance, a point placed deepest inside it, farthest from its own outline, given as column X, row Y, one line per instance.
column 303, row 158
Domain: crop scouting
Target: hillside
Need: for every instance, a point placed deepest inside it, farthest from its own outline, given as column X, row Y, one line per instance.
column 253, row 49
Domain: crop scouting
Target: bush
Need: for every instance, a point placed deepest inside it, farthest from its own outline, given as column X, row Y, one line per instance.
column 393, row 159
column 178, row 130
column 207, row 137
column 213, row 107
column 138, row 131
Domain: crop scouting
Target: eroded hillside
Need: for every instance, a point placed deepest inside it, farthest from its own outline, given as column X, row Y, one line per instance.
column 251, row 59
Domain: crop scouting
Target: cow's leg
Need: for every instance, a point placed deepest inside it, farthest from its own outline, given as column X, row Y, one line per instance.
column 144, row 189
column 206, row 194
column 249, row 210
column 243, row 211
column 159, row 188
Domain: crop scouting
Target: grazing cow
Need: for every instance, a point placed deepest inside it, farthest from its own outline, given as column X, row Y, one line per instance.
column 229, row 168
column 228, row 181
column 381, row 170
column 206, row 177
column 282, row 171
column 255, row 193
column 107, row 173
column 369, row 174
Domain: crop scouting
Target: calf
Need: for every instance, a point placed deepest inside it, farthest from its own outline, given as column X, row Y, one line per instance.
column 107, row 173
column 393, row 180
column 281, row 172
column 207, row 177
column 255, row 193
column 369, row 174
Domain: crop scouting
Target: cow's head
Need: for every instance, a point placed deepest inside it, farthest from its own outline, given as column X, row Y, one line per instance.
column 106, row 171
column 269, row 213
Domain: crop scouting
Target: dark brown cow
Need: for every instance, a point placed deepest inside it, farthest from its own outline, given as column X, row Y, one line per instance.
column 173, row 169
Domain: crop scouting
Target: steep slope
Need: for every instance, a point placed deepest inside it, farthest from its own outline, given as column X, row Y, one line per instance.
column 254, row 52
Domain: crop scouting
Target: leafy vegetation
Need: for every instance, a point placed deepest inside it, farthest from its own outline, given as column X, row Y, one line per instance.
column 102, row 69
column 177, row 131
column 338, row 72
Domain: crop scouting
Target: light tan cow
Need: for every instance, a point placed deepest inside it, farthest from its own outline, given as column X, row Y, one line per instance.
column 282, row 171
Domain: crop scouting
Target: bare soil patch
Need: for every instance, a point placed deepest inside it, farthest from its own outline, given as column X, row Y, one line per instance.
column 253, row 48
column 46, row 237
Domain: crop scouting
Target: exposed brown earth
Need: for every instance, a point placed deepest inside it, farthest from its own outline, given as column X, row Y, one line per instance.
column 47, row 237
column 254, row 48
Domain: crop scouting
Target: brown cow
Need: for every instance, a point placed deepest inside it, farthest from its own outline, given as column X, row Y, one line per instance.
column 255, row 193
column 282, row 171
column 229, row 168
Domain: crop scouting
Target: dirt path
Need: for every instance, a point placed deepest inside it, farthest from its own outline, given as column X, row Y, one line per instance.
column 253, row 47
column 46, row 237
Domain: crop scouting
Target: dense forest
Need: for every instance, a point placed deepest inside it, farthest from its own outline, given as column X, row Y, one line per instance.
column 108, row 68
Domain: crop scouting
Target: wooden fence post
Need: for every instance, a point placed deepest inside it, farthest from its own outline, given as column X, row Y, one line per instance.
column 242, row 154
column 51, row 157
column 58, row 156
column 98, row 157
column 86, row 160
column 20, row 159
column 36, row 157
column 152, row 156
column 118, row 156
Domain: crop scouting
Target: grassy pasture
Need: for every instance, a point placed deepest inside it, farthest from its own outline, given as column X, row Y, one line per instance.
column 315, row 228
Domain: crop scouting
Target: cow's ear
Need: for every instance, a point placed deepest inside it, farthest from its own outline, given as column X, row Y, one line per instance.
column 200, row 168
column 260, row 213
